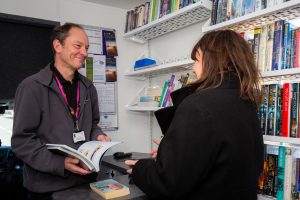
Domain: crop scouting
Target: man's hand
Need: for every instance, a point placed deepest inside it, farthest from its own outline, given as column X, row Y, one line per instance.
column 103, row 138
column 130, row 163
column 154, row 151
column 71, row 164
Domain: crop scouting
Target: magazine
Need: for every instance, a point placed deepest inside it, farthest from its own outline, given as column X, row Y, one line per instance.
column 89, row 153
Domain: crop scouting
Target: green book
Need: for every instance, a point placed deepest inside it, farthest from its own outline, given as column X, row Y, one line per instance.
column 163, row 93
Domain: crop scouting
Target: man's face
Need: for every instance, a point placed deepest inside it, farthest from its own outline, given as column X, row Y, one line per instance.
column 73, row 52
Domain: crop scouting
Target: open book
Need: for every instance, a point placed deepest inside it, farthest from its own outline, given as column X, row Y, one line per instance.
column 89, row 153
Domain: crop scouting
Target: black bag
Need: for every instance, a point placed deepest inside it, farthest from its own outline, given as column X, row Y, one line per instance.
column 11, row 175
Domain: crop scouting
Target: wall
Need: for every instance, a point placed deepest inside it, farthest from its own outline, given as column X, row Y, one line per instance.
column 134, row 127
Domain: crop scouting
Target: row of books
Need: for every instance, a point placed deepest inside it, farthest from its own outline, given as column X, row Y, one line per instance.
column 279, row 110
column 151, row 11
column 275, row 46
column 160, row 97
column 223, row 10
column 281, row 173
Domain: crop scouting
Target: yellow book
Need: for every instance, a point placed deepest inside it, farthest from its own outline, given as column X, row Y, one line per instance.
column 109, row 189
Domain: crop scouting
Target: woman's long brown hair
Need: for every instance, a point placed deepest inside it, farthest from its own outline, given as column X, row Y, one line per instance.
column 222, row 52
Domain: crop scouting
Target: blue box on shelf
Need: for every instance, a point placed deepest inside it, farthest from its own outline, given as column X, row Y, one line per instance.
column 144, row 63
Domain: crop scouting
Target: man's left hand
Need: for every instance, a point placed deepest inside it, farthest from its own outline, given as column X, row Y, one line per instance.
column 103, row 138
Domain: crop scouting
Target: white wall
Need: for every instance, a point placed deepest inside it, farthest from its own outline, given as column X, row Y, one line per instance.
column 134, row 127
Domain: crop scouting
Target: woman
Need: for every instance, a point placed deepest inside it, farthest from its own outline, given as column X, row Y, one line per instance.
column 213, row 146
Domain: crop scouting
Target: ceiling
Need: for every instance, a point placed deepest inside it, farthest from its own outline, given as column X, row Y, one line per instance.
column 123, row 4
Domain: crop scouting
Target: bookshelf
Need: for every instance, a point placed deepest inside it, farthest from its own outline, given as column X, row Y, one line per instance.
column 279, row 140
column 166, row 68
column 186, row 16
column 286, row 10
column 262, row 197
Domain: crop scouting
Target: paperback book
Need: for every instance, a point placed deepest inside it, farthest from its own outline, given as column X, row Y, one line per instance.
column 109, row 189
column 89, row 153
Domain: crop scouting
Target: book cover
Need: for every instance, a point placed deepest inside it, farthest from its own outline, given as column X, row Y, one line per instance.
column 111, row 69
column 286, row 102
column 272, row 109
column 269, row 49
column 294, row 110
column 262, row 48
column 263, row 108
column 297, row 48
column 277, row 45
column 89, row 153
column 109, row 189
column 109, row 43
column 281, row 170
column 279, row 111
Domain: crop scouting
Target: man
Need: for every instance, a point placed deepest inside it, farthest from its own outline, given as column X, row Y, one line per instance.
column 56, row 105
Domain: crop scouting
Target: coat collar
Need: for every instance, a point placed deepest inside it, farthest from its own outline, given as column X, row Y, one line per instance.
column 45, row 77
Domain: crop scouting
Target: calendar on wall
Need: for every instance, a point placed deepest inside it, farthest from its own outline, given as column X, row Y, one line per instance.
column 101, row 68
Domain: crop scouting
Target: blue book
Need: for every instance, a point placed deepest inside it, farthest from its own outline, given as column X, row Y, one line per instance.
column 277, row 45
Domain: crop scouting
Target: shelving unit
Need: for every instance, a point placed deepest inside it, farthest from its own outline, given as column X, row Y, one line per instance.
column 186, row 16
column 281, row 73
column 287, row 11
column 182, row 65
column 262, row 197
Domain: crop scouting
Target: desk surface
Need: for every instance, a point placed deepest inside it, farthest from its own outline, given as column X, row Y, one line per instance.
column 119, row 165
column 84, row 192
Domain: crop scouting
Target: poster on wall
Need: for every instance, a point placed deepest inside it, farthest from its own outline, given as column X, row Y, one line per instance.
column 101, row 68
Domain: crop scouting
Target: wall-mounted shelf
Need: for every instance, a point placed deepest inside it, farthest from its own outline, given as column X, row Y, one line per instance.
column 163, row 69
column 263, row 197
column 286, row 10
column 186, row 16
column 142, row 109
column 278, row 139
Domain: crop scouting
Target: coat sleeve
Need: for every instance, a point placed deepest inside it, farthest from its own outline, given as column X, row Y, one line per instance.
column 96, row 130
column 25, row 141
column 184, row 158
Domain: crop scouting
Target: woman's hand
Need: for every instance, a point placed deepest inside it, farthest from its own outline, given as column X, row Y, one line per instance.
column 130, row 163
column 154, row 151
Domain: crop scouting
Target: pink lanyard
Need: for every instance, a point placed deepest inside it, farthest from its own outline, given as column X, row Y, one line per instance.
column 66, row 100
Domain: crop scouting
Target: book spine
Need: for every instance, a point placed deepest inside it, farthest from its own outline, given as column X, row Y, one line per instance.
column 281, row 170
column 264, row 108
column 272, row 109
column 285, row 45
column 288, row 174
column 163, row 94
column 277, row 45
column 279, row 111
column 269, row 49
column 286, row 109
column 257, row 32
column 293, row 48
column 294, row 110
column 169, row 90
column 262, row 49
column 297, row 58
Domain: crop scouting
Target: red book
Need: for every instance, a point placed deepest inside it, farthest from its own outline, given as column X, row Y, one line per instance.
column 286, row 101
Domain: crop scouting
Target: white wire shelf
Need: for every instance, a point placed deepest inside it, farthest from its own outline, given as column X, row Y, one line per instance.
column 286, row 10
column 263, row 197
column 278, row 140
column 172, row 67
column 186, row 16
column 142, row 109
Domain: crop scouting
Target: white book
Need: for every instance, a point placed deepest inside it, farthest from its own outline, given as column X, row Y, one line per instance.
column 89, row 153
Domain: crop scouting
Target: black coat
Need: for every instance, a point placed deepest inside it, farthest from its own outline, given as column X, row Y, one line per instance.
column 212, row 148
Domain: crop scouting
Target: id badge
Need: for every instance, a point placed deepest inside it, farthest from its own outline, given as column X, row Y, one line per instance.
column 78, row 137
